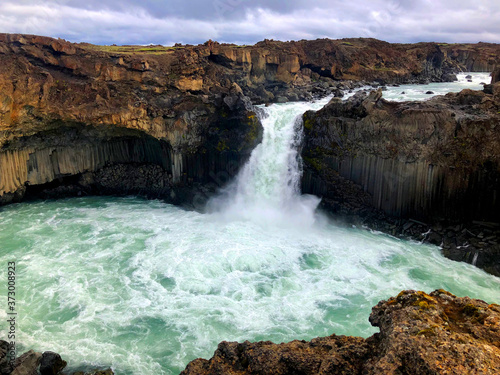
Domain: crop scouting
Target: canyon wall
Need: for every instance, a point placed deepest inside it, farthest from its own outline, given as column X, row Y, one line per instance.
column 86, row 119
column 435, row 163
column 420, row 333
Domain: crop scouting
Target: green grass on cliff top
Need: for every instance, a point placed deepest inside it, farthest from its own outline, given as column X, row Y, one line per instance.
column 129, row 49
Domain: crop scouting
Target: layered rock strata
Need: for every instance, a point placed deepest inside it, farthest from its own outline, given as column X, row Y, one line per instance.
column 175, row 122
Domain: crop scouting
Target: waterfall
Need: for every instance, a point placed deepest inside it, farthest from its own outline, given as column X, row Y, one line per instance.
column 267, row 189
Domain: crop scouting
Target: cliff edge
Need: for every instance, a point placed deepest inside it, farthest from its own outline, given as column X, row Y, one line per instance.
column 429, row 170
column 174, row 122
column 420, row 333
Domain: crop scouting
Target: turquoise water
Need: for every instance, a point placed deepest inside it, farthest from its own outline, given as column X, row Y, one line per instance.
column 418, row 92
column 145, row 287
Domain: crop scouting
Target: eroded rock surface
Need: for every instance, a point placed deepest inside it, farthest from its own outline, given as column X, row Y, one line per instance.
column 73, row 117
column 420, row 333
column 435, row 163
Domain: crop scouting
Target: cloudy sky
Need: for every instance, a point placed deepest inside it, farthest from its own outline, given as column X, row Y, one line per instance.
column 248, row 21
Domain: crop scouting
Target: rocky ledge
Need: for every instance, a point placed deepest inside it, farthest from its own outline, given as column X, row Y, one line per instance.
column 426, row 170
column 420, row 333
column 425, row 334
column 33, row 363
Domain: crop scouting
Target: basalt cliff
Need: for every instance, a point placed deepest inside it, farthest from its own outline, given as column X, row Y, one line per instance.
column 174, row 122
column 430, row 170
column 177, row 123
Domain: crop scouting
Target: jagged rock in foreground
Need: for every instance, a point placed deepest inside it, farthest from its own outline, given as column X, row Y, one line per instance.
column 33, row 363
column 412, row 168
column 419, row 334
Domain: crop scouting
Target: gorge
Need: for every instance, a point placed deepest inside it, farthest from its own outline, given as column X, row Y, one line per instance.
column 168, row 284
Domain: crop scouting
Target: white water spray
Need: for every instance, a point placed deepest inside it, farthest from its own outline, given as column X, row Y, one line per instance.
column 267, row 189
column 145, row 287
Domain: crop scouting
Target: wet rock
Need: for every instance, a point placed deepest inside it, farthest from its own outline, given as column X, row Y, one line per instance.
column 420, row 333
column 51, row 364
column 5, row 363
column 429, row 92
column 338, row 93
column 449, row 77
column 434, row 238
column 27, row 364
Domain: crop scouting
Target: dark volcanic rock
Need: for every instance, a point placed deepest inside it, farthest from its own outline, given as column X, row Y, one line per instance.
column 51, row 364
column 190, row 102
column 495, row 75
column 34, row 363
column 5, row 364
column 27, row 364
column 419, row 334
column 376, row 162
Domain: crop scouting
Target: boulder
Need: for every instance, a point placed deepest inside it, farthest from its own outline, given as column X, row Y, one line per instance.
column 5, row 364
column 27, row 364
column 51, row 364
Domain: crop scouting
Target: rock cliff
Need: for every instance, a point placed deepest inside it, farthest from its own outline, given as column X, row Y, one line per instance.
column 420, row 333
column 435, row 162
column 77, row 121
column 172, row 122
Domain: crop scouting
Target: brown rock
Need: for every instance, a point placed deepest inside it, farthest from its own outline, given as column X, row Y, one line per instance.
column 27, row 364
column 495, row 75
column 419, row 334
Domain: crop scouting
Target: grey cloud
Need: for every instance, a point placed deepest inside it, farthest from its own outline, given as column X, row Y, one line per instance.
column 248, row 21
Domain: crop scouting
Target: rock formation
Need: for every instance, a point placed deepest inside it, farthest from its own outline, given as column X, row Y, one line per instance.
column 172, row 122
column 435, row 162
column 420, row 333
column 33, row 363
column 495, row 75
column 89, row 120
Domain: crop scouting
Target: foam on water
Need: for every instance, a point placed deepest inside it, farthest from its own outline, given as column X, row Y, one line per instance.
column 145, row 287
column 418, row 92
column 267, row 189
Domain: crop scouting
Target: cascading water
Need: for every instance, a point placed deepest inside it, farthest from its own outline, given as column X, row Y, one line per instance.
column 267, row 190
column 145, row 287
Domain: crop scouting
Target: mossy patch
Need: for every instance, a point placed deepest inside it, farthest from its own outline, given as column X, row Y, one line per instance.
column 308, row 123
column 314, row 163
column 222, row 146
column 154, row 50
column 427, row 332
column 253, row 133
